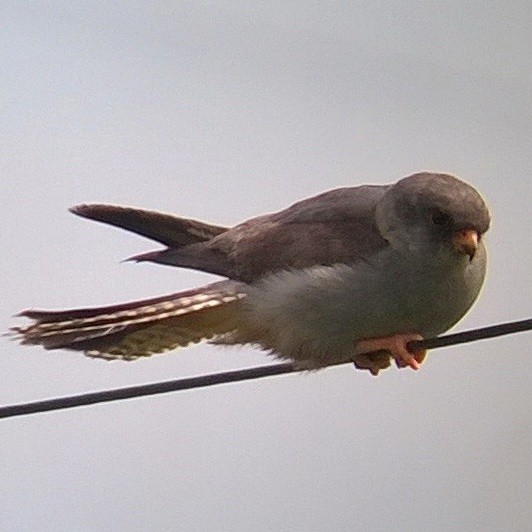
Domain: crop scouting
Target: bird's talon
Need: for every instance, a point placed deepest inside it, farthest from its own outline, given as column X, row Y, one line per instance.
column 396, row 346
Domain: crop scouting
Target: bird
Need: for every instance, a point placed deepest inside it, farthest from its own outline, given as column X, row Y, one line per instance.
column 350, row 275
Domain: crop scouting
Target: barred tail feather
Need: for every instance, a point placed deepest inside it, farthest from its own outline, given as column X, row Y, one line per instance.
column 138, row 329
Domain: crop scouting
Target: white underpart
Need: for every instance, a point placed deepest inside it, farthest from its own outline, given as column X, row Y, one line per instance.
column 317, row 315
column 311, row 313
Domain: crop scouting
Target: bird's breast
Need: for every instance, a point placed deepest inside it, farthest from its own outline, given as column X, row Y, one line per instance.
column 318, row 310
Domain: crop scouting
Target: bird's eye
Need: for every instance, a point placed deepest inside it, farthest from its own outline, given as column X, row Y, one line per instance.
column 440, row 218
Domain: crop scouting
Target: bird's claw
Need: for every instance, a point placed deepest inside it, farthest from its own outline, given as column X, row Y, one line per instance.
column 373, row 362
column 374, row 354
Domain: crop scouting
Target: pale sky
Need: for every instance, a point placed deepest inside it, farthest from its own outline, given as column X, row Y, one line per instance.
column 222, row 111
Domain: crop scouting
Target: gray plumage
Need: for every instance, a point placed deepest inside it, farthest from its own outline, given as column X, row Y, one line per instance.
column 306, row 283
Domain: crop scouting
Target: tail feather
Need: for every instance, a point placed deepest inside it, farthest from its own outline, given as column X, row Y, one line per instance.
column 138, row 329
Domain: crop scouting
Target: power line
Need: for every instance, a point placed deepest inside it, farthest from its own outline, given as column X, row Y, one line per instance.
column 203, row 381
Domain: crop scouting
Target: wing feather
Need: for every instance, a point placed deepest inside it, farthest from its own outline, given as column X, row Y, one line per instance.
column 137, row 329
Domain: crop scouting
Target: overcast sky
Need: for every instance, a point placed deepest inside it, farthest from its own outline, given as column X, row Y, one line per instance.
column 221, row 111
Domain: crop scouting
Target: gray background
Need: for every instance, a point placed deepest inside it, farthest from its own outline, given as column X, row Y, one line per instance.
column 221, row 111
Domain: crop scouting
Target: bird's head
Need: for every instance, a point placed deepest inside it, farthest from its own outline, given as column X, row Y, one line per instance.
column 435, row 211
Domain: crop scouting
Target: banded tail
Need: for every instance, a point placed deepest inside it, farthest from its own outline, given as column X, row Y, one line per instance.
column 141, row 328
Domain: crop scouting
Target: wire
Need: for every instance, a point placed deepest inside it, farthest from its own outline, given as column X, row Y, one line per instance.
column 203, row 381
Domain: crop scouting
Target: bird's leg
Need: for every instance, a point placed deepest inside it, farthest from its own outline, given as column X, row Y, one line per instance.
column 374, row 353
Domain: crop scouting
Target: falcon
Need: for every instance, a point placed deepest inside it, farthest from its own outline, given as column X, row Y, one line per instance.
column 349, row 275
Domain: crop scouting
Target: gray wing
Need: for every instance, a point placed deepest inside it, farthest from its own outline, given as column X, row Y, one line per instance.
column 331, row 228
column 182, row 236
column 167, row 229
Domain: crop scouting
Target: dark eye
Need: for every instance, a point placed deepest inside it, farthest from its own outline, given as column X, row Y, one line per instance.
column 441, row 218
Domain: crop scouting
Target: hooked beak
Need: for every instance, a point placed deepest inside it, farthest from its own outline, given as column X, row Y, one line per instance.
column 465, row 241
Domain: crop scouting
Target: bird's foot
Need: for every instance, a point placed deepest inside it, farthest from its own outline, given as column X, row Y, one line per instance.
column 373, row 362
column 374, row 354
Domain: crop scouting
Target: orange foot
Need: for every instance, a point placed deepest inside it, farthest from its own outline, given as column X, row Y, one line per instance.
column 371, row 350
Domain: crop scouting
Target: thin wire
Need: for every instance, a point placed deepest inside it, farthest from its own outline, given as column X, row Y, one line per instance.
column 203, row 381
